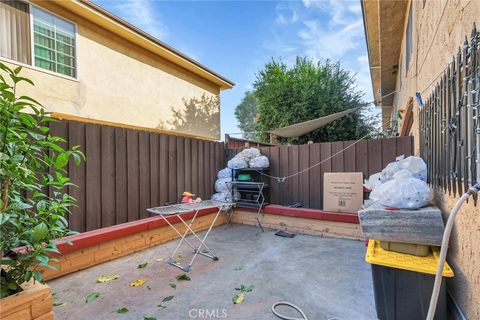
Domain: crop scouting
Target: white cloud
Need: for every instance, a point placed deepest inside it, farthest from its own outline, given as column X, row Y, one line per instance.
column 286, row 14
column 141, row 13
column 338, row 38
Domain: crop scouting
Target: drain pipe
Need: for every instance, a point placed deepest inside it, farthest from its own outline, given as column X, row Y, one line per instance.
column 443, row 252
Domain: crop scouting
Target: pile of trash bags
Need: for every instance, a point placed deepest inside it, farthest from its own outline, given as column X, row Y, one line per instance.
column 247, row 158
column 401, row 184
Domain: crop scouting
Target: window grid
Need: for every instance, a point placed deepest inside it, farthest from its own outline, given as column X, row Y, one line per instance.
column 57, row 41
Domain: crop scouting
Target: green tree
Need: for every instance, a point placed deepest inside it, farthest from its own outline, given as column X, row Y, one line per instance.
column 246, row 113
column 307, row 91
column 31, row 163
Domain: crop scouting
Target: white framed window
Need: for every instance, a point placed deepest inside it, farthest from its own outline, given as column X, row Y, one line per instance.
column 36, row 37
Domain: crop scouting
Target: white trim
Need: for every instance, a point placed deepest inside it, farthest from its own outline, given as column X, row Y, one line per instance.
column 28, row 66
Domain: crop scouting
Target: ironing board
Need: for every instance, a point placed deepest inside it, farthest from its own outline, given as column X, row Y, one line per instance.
column 177, row 210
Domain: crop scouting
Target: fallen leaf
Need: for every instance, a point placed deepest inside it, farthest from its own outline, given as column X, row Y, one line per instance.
column 159, row 259
column 122, row 310
column 149, row 318
column 110, row 277
column 137, row 283
column 173, row 285
column 92, row 296
column 238, row 268
column 59, row 304
column 161, row 306
column 142, row 265
column 179, row 258
column 244, row 288
column 183, row 277
column 166, row 299
column 238, row 298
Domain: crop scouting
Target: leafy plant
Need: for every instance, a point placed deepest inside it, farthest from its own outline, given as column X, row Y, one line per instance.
column 306, row 91
column 33, row 202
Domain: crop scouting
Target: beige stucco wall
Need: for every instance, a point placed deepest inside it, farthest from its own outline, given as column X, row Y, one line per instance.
column 440, row 28
column 120, row 82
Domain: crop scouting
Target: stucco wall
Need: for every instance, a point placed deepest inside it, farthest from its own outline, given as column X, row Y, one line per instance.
column 440, row 28
column 120, row 82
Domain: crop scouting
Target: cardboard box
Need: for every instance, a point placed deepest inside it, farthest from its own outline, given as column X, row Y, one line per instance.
column 343, row 191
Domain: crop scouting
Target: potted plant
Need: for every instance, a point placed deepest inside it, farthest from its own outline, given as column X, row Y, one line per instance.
column 33, row 201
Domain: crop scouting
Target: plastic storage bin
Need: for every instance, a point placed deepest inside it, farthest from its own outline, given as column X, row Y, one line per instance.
column 403, row 284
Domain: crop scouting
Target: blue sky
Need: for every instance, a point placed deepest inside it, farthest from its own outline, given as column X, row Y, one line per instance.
column 236, row 38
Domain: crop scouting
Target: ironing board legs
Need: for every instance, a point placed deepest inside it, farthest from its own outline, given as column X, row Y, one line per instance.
column 197, row 250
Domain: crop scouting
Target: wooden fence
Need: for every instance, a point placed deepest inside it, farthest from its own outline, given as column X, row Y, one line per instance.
column 128, row 171
column 367, row 156
column 450, row 122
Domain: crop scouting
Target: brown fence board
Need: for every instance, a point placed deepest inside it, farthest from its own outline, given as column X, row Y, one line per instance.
column 349, row 156
column 144, row 173
column 108, row 176
column 337, row 159
column 375, row 163
column 206, row 168
column 180, row 166
column 195, row 172
column 154, row 170
column 315, row 177
column 188, row 164
column 76, row 137
column 121, row 182
column 172, row 169
column 93, row 178
column 201, row 169
column 163, row 170
column 293, row 168
column 132, row 176
column 304, row 178
column 211, row 177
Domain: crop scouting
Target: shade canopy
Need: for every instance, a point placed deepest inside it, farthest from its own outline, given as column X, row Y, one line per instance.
column 299, row 129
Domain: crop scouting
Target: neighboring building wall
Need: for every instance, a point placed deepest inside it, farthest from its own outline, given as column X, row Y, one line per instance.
column 439, row 29
column 121, row 82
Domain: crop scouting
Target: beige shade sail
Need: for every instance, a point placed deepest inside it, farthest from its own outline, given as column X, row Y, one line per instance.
column 299, row 129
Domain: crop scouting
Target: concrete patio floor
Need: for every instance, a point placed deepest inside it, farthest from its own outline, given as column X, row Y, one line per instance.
column 328, row 278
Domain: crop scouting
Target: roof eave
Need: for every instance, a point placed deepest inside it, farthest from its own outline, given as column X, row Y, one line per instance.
column 105, row 19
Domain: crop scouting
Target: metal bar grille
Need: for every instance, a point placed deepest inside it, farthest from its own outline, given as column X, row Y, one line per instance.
column 450, row 122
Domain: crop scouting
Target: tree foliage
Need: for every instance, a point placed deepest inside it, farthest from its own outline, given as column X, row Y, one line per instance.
column 31, row 162
column 246, row 113
column 307, row 91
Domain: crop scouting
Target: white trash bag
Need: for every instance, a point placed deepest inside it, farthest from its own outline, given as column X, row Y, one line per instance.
column 403, row 192
column 221, row 184
column 259, row 162
column 237, row 162
column 389, row 171
column 250, row 153
column 373, row 181
column 224, row 173
column 219, row 196
column 416, row 166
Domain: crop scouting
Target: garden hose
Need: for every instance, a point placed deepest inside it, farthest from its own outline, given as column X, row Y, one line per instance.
column 291, row 305
column 443, row 251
